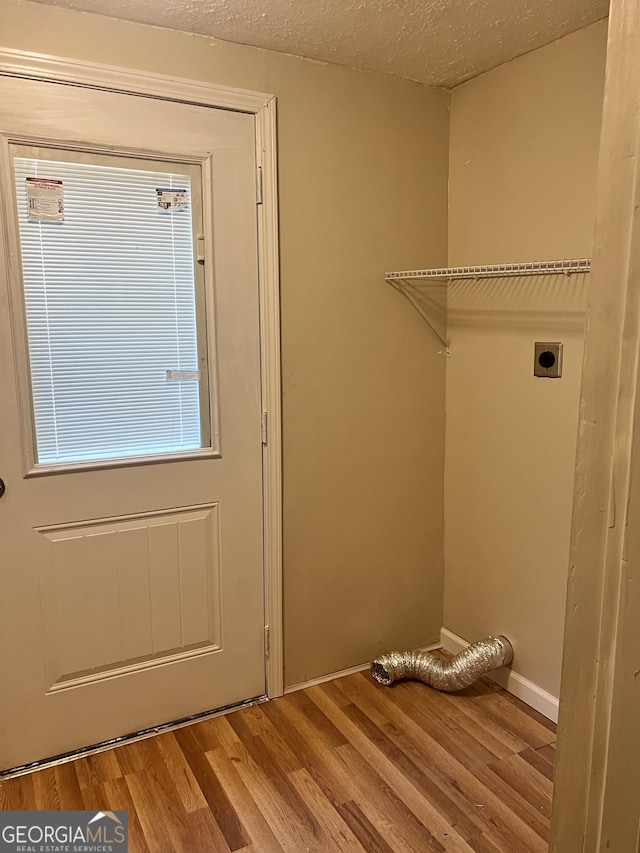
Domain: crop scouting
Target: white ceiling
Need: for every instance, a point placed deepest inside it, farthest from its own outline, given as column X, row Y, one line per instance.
column 437, row 42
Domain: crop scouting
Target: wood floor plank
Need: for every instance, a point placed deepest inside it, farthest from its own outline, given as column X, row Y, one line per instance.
column 161, row 830
column 269, row 747
column 343, row 776
column 439, row 787
column 548, row 753
column 279, row 783
column 287, row 759
column 460, row 782
column 323, row 762
column 45, row 788
column 426, row 703
column 346, row 766
column 290, row 829
column 442, row 778
column 539, row 780
column 543, row 721
column 509, row 712
column 155, row 784
column 205, row 835
column 349, row 691
column 514, row 800
column 118, row 797
column 331, row 733
column 363, row 830
column 160, row 811
column 393, row 777
column 189, row 742
column 431, row 787
column 424, row 707
column 329, row 818
column 100, row 767
column 539, row 762
column 18, row 794
column 526, row 781
column 257, row 827
column 221, row 732
column 384, row 809
column 138, row 755
column 471, row 796
column 222, row 809
column 477, row 703
column 465, row 703
column 370, row 690
column 93, row 797
column 405, row 828
column 189, row 791
column 68, row 786
column 204, row 733
column 314, row 747
column 250, row 720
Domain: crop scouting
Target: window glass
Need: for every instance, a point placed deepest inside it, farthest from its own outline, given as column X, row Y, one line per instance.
column 115, row 330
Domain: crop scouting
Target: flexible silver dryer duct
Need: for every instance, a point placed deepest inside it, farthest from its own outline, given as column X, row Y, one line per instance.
column 448, row 675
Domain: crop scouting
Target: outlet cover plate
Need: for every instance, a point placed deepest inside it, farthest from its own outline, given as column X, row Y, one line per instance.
column 548, row 360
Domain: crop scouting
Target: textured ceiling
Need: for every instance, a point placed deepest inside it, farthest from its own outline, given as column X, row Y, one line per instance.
column 438, row 42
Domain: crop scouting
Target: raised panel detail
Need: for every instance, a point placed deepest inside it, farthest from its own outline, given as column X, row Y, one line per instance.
column 129, row 593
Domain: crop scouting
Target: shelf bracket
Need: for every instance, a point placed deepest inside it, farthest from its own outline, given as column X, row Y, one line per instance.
column 398, row 284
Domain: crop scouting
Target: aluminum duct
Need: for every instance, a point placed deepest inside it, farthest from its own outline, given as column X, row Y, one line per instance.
column 448, row 675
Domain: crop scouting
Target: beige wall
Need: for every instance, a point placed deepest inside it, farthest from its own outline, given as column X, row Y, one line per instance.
column 523, row 161
column 363, row 189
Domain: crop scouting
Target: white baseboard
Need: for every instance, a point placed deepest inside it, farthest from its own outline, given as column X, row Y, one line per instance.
column 513, row 682
column 301, row 685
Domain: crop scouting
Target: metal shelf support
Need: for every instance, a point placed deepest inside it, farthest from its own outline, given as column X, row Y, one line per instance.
column 421, row 311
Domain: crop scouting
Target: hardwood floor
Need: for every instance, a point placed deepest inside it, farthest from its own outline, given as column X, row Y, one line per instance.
column 348, row 765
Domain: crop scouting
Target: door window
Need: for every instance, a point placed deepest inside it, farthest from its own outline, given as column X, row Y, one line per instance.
column 114, row 306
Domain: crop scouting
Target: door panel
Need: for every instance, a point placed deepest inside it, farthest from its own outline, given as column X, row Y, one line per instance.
column 167, row 563
column 132, row 594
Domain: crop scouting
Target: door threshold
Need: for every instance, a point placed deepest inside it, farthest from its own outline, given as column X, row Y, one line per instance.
column 66, row 757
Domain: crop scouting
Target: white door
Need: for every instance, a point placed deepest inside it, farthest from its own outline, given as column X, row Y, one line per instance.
column 131, row 572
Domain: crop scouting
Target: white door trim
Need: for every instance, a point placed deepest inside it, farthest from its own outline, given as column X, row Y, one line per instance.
column 37, row 66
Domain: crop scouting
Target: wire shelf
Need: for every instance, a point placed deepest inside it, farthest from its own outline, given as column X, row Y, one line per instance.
column 563, row 267
column 407, row 282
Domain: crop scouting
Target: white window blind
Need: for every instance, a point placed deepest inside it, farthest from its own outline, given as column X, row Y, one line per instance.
column 111, row 316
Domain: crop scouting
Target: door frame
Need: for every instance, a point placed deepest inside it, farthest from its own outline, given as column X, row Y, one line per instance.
column 598, row 763
column 37, row 66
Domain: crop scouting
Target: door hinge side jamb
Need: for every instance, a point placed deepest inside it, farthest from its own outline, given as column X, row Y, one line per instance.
column 259, row 185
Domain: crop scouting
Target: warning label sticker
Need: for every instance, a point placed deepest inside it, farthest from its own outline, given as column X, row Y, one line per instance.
column 45, row 200
column 170, row 200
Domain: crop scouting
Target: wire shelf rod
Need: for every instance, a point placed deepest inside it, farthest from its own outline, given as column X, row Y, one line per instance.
column 563, row 267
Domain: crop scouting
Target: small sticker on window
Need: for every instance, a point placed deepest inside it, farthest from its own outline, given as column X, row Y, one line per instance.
column 183, row 375
column 170, row 200
column 45, row 200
